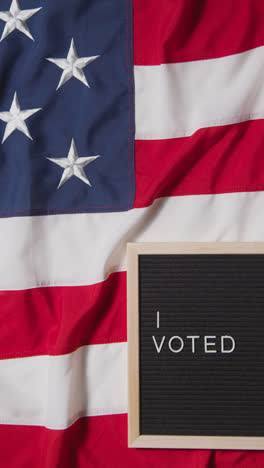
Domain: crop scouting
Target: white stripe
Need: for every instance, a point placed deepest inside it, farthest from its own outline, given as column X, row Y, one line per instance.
column 83, row 249
column 175, row 100
column 54, row 391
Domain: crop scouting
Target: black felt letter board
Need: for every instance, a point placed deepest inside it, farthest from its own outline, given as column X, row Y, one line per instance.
column 194, row 392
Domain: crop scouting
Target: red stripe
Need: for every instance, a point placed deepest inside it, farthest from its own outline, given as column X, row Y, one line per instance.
column 57, row 320
column 185, row 30
column 213, row 160
column 99, row 442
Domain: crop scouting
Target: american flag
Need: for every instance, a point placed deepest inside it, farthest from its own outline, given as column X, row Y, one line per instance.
column 120, row 121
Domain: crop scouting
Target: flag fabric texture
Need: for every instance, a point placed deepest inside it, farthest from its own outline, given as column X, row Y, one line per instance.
column 120, row 121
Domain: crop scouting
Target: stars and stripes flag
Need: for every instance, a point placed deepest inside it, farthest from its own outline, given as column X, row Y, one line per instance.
column 120, row 121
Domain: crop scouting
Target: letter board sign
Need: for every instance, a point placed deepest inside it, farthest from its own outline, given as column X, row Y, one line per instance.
column 196, row 345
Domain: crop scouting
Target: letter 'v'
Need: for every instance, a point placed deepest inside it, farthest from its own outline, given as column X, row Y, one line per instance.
column 158, row 347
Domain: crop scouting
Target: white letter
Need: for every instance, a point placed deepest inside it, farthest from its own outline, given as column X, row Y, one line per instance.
column 181, row 347
column 158, row 319
column 193, row 342
column 206, row 344
column 158, row 348
column 223, row 350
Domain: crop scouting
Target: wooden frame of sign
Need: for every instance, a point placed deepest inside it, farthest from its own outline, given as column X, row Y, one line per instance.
column 135, row 438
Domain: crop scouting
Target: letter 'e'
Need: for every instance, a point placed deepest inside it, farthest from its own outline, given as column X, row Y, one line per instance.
column 207, row 344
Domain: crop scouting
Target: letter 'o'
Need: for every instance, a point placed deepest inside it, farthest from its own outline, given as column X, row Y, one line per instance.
column 179, row 349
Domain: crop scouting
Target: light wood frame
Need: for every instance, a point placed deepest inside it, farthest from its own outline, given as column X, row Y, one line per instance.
column 135, row 439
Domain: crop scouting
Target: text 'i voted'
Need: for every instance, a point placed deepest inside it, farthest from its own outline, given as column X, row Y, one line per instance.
column 212, row 343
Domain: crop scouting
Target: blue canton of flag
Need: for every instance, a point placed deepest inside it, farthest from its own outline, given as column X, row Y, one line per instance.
column 66, row 106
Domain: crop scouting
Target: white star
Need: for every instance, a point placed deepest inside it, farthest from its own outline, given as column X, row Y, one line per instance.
column 15, row 119
column 16, row 19
column 73, row 165
column 72, row 66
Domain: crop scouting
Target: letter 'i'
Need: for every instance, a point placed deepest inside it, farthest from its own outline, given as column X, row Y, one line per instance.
column 158, row 319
